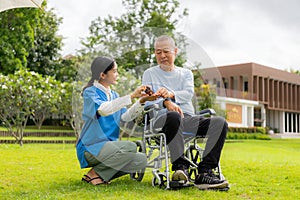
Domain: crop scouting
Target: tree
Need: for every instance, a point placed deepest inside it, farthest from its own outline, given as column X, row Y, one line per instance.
column 75, row 116
column 207, row 99
column 207, row 96
column 68, row 70
column 129, row 38
column 16, row 38
column 70, row 104
column 294, row 71
column 43, row 56
column 46, row 97
column 28, row 39
column 16, row 101
column 26, row 94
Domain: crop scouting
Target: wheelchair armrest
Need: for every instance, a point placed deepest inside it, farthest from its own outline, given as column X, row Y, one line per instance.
column 152, row 110
column 207, row 111
column 152, row 106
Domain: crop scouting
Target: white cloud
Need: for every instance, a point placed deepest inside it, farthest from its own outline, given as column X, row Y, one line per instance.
column 77, row 17
column 230, row 31
column 247, row 31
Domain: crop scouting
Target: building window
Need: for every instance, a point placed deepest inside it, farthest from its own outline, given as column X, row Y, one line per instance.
column 246, row 86
column 214, row 81
column 257, row 116
column 225, row 82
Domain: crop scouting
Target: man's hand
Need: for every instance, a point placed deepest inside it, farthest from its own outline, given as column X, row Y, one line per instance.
column 173, row 107
column 164, row 93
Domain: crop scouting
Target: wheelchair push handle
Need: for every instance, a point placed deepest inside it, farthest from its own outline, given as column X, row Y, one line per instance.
column 207, row 111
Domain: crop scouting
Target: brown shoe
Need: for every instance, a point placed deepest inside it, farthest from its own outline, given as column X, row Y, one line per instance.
column 181, row 176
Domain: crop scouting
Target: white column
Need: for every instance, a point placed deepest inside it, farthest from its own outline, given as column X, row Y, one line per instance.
column 263, row 116
column 281, row 121
column 250, row 116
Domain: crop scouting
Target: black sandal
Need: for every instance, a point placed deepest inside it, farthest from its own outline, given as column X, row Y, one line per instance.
column 90, row 179
column 85, row 180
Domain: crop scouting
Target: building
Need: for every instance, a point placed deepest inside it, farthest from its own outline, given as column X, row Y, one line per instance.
column 257, row 95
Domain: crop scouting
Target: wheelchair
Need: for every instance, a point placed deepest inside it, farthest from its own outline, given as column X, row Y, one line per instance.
column 153, row 144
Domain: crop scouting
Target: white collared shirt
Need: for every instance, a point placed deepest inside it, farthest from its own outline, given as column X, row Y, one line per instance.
column 109, row 107
column 104, row 89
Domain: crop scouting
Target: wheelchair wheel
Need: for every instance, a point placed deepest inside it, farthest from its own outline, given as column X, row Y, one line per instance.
column 161, row 182
column 194, row 155
column 139, row 175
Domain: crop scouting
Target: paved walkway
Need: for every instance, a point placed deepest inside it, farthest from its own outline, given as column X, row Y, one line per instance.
column 285, row 135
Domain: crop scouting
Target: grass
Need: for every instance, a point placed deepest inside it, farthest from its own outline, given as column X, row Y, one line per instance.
column 44, row 129
column 256, row 169
column 40, row 138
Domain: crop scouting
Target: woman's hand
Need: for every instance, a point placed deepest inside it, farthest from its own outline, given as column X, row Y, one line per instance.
column 138, row 92
column 148, row 98
column 143, row 91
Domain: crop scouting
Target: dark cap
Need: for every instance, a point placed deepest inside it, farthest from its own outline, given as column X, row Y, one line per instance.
column 99, row 65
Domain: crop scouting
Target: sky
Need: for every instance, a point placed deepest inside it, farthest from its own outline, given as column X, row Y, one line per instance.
column 229, row 31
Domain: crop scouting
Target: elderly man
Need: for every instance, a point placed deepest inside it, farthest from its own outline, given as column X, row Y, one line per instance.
column 176, row 87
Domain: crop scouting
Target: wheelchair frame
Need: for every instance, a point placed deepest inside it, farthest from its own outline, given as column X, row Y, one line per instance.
column 154, row 145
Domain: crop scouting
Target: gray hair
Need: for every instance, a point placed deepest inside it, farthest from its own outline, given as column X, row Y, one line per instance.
column 164, row 38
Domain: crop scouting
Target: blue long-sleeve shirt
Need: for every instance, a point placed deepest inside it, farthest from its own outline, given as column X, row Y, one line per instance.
column 97, row 130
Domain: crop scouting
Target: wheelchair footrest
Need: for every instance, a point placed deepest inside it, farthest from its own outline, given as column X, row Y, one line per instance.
column 179, row 184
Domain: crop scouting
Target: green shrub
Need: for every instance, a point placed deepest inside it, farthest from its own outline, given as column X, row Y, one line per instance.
column 247, row 136
column 261, row 130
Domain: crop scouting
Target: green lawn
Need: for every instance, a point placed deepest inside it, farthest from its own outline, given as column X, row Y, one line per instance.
column 44, row 129
column 40, row 138
column 256, row 169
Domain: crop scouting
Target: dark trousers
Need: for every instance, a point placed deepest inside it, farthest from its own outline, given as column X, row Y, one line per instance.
column 174, row 126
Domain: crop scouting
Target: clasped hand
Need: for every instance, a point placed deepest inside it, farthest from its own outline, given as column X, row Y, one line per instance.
column 146, row 94
column 140, row 92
